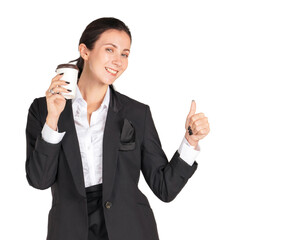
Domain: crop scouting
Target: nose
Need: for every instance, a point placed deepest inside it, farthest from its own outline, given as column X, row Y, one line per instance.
column 117, row 60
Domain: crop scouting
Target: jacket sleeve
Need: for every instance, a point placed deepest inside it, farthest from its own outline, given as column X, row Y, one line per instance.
column 166, row 179
column 41, row 157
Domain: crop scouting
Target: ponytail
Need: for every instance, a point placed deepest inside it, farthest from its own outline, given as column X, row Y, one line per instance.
column 80, row 65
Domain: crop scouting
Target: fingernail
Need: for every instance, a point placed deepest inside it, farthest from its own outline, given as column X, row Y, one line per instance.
column 69, row 90
column 61, row 73
column 68, row 82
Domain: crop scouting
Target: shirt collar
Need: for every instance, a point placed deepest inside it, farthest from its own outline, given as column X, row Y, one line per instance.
column 79, row 98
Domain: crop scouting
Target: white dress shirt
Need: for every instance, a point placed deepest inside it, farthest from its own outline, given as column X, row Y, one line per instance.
column 91, row 138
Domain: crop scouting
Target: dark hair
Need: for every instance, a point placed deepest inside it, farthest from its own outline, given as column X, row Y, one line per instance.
column 93, row 32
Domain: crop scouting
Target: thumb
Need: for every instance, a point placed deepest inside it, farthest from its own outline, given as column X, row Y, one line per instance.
column 192, row 109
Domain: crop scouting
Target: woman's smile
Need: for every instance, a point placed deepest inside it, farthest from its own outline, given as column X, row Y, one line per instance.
column 111, row 71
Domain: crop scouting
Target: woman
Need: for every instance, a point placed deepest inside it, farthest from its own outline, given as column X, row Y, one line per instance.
column 90, row 149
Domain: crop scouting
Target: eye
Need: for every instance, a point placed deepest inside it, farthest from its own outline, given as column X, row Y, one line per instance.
column 125, row 55
column 109, row 50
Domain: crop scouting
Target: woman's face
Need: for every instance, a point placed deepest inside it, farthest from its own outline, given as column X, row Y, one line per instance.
column 109, row 57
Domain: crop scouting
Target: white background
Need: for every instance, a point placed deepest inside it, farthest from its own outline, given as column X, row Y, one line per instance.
column 232, row 57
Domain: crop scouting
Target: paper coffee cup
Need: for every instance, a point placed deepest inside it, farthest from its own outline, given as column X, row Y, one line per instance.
column 70, row 75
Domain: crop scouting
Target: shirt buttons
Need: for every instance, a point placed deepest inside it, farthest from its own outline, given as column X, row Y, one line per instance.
column 108, row 205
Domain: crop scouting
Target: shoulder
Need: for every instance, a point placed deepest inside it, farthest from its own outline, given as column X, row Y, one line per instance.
column 129, row 102
column 39, row 104
column 133, row 109
column 38, row 108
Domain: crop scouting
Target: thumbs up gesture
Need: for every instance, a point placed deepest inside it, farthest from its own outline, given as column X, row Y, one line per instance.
column 197, row 126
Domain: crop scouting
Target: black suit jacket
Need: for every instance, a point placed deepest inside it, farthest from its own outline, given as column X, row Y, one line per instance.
column 130, row 144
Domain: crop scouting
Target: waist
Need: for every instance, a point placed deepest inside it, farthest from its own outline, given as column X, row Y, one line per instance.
column 94, row 188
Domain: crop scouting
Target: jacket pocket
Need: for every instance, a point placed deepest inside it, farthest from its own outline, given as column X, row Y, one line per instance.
column 127, row 136
column 126, row 146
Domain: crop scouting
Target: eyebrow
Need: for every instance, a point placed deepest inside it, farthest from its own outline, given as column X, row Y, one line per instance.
column 116, row 46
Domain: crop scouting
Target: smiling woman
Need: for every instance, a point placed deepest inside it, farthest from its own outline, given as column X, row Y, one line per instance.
column 106, row 61
column 91, row 149
column 109, row 28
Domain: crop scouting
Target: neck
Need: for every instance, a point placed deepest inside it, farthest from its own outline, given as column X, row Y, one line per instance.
column 92, row 91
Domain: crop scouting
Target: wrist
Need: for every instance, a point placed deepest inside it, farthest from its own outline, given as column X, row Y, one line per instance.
column 192, row 142
column 52, row 122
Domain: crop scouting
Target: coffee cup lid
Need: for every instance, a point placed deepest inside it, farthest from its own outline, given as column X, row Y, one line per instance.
column 67, row 65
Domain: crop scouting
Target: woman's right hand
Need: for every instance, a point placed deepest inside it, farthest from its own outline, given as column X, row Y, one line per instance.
column 55, row 102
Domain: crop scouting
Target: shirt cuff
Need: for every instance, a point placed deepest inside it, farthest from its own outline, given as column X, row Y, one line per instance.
column 187, row 151
column 50, row 135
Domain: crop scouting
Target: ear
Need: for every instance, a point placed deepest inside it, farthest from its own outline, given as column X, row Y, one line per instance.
column 84, row 51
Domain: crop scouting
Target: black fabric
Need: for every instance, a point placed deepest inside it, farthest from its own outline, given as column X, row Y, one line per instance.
column 131, row 146
column 96, row 221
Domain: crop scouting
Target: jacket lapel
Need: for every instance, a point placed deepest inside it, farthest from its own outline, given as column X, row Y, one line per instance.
column 111, row 140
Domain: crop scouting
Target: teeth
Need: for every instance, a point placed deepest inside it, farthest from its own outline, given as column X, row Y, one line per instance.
column 110, row 70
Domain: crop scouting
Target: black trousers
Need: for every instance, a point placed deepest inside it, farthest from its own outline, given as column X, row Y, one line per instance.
column 97, row 227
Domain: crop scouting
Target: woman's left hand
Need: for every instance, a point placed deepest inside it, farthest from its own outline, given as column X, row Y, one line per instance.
column 199, row 125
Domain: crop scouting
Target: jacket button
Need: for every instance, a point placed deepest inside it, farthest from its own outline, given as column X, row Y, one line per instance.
column 108, row 204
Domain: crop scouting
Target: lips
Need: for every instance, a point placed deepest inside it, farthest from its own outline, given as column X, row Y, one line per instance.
column 110, row 70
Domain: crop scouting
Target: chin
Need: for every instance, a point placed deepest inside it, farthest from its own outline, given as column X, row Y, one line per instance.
column 108, row 81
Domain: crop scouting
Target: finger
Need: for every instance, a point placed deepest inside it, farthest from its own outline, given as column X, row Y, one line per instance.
column 196, row 117
column 48, row 93
column 192, row 112
column 200, row 123
column 203, row 128
column 197, row 137
column 57, row 77
column 203, row 131
column 56, row 96
column 192, row 108
column 58, row 82
column 198, row 126
column 192, row 130
column 59, row 89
